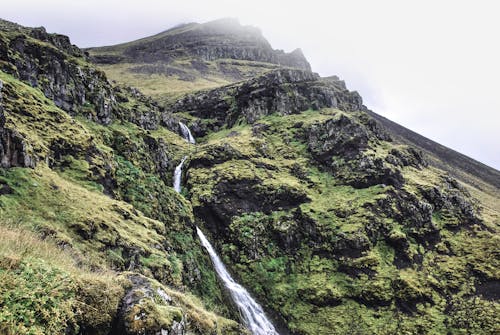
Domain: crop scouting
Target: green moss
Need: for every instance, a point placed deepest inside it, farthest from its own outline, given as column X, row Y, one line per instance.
column 35, row 299
column 336, row 256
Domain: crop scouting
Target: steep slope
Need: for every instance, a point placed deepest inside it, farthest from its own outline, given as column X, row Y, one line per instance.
column 193, row 56
column 444, row 158
column 333, row 219
column 336, row 226
column 86, row 167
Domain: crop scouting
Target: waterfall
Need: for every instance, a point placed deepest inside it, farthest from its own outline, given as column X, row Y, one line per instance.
column 186, row 133
column 178, row 175
column 251, row 312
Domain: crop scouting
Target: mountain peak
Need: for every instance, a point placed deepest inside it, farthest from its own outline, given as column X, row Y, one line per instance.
column 224, row 38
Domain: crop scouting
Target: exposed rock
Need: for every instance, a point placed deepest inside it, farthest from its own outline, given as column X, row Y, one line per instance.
column 414, row 214
column 215, row 154
column 340, row 136
column 237, row 196
column 14, row 151
column 61, row 42
column 148, row 311
column 220, row 39
column 407, row 157
column 283, row 91
column 453, row 203
column 56, row 68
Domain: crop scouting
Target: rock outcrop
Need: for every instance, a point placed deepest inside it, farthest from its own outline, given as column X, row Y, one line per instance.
column 148, row 311
column 14, row 151
column 221, row 39
column 50, row 62
column 284, row 91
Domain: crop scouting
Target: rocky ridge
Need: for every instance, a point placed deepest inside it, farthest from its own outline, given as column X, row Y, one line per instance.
column 220, row 39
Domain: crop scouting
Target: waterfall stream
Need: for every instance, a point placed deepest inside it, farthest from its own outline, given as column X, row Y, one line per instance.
column 251, row 312
column 186, row 133
column 178, row 175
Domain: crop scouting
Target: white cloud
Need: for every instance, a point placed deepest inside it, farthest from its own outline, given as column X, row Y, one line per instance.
column 429, row 65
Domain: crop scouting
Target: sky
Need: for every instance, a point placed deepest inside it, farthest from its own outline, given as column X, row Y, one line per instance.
column 432, row 66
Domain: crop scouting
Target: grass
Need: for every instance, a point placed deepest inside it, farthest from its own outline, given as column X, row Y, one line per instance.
column 296, row 266
column 47, row 290
column 326, row 257
column 170, row 87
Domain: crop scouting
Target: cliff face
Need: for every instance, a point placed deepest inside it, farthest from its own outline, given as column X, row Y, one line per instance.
column 332, row 220
column 284, row 91
column 194, row 56
column 214, row 40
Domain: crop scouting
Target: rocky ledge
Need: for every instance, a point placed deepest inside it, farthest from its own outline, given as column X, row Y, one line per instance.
column 220, row 39
column 281, row 91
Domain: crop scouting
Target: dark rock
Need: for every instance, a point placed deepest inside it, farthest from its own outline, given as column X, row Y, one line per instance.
column 283, row 91
column 259, row 128
column 488, row 289
column 54, row 67
column 453, row 201
column 351, row 245
column 215, row 154
column 414, row 214
column 5, row 188
column 235, row 197
column 160, row 155
column 61, row 42
column 14, row 151
column 365, row 171
column 407, row 157
column 340, row 136
column 220, row 39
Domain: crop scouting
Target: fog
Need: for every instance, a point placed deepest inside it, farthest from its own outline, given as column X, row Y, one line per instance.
column 432, row 66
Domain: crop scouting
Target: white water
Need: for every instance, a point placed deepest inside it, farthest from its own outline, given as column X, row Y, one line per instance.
column 186, row 133
column 251, row 312
column 178, row 176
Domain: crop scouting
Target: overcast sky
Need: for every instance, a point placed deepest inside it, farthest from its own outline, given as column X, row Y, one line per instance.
column 432, row 66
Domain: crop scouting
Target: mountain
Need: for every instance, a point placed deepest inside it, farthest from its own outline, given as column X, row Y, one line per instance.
column 193, row 56
column 337, row 220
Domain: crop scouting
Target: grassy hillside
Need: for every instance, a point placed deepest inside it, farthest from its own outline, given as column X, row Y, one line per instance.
column 330, row 258
column 169, row 82
column 88, row 222
column 334, row 222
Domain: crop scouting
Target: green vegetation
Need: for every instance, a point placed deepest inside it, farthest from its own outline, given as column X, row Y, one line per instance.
column 167, row 82
column 66, row 205
column 340, row 262
column 335, row 228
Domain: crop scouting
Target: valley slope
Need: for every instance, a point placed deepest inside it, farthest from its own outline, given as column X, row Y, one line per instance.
column 336, row 219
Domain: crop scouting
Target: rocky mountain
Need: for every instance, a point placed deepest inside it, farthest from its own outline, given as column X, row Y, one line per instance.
column 193, row 56
column 337, row 220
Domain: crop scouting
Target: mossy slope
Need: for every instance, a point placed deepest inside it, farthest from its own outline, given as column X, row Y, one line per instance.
column 339, row 230
column 99, row 189
column 336, row 227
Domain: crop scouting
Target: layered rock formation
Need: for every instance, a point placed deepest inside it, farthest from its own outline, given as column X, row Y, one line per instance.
column 221, row 39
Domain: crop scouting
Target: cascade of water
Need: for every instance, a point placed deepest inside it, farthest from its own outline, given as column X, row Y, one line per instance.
column 252, row 313
column 178, row 176
column 186, row 133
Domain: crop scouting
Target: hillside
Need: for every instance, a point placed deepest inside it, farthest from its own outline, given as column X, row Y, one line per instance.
column 337, row 220
column 192, row 57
